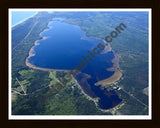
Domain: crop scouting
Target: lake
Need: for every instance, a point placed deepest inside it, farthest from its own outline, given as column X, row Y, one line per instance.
column 63, row 48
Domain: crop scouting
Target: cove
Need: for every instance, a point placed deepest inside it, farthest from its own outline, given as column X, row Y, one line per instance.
column 62, row 48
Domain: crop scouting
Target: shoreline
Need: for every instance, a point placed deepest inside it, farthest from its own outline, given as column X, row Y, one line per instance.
column 24, row 20
column 108, row 48
column 32, row 53
column 115, row 68
column 115, row 77
column 84, row 35
column 96, row 100
column 43, row 69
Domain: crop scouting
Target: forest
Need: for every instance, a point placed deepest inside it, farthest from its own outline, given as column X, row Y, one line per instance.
column 32, row 95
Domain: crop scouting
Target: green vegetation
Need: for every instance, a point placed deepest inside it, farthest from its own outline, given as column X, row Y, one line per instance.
column 45, row 93
column 48, row 96
column 70, row 101
column 23, row 37
column 131, row 46
column 40, row 92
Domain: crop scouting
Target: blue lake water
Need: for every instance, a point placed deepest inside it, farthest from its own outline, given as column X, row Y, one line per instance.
column 63, row 49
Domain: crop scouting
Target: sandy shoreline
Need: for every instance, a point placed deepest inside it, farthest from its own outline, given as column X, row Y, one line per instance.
column 117, row 74
column 32, row 53
column 107, row 48
column 43, row 69
column 115, row 77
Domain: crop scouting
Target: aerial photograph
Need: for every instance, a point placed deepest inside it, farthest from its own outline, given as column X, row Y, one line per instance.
column 85, row 62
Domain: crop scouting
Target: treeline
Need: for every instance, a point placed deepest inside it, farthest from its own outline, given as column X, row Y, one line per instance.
column 131, row 45
column 44, row 96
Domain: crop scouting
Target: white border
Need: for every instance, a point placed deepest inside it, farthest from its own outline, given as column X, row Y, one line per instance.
column 90, row 117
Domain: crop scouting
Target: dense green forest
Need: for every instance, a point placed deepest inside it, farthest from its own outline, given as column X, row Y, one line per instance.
column 36, row 92
column 131, row 46
column 46, row 96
